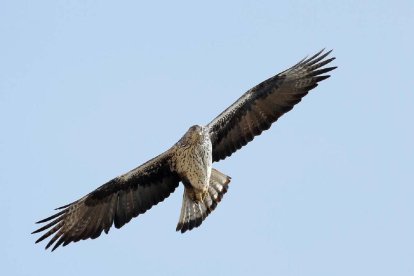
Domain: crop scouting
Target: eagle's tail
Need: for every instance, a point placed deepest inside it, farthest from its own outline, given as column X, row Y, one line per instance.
column 194, row 211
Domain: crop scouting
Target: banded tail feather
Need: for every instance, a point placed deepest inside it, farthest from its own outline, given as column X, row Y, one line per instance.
column 194, row 211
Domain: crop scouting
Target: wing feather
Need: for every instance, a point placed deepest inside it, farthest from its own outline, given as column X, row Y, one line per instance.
column 114, row 203
column 258, row 108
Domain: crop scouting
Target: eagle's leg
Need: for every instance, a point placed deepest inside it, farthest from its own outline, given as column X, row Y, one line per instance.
column 200, row 196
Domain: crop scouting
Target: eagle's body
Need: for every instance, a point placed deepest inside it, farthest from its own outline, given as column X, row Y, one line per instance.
column 188, row 161
column 193, row 158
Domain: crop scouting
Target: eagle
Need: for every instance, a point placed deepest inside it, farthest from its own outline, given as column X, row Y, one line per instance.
column 188, row 161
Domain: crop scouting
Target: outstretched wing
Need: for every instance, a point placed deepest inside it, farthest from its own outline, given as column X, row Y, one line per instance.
column 115, row 202
column 262, row 105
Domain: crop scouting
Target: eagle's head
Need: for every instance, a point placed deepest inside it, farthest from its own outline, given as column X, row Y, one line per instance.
column 194, row 134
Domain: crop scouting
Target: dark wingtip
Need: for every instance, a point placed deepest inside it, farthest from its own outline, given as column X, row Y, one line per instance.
column 321, row 78
column 60, row 241
column 328, row 52
column 48, row 245
column 330, row 59
column 38, row 240
column 318, row 58
column 44, row 220
column 51, row 217
column 314, row 59
column 36, row 231
column 41, row 239
column 63, row 207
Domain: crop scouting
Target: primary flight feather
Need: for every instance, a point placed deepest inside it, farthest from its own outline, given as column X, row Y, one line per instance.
column 188, row 161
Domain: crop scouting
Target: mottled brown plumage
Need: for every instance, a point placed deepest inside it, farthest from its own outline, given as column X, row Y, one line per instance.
column 189, row 161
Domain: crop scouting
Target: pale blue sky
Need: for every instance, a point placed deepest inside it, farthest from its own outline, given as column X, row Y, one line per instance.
column 91, row 89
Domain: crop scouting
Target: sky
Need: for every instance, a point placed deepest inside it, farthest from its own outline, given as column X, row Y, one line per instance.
column 92, row 89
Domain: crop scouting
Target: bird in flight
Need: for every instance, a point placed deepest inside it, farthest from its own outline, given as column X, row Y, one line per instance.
column 188, row 161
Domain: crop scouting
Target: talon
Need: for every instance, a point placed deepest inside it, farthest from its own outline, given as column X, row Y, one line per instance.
column 201, row 196
column 204, row 195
